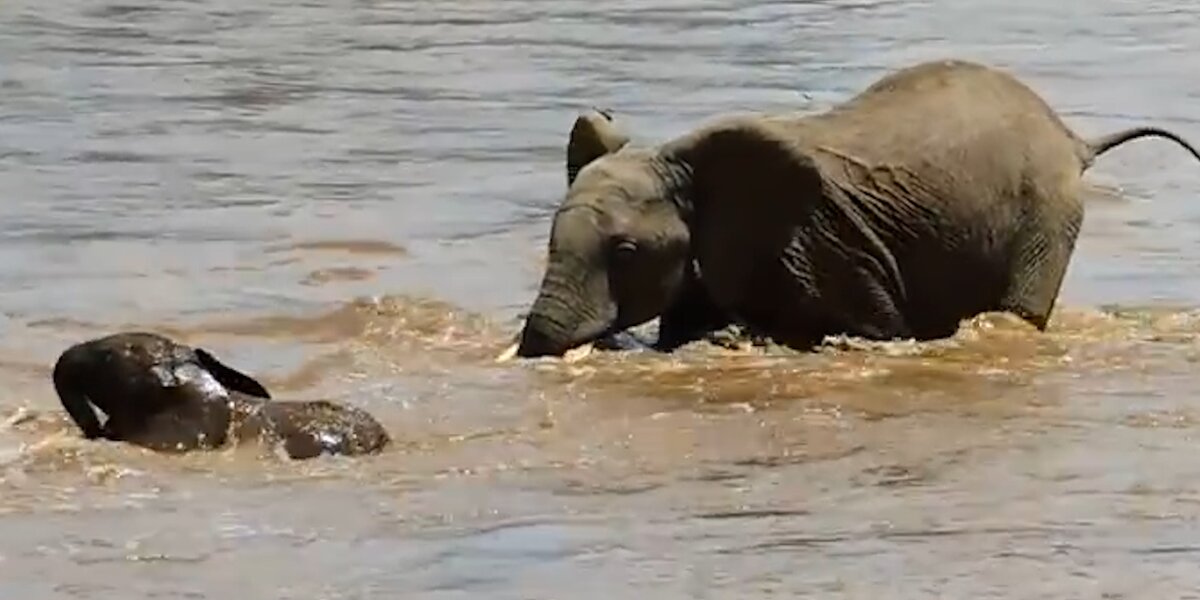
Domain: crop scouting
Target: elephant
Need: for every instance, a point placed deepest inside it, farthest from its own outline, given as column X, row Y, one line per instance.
column 162, row 395
column 943, row 190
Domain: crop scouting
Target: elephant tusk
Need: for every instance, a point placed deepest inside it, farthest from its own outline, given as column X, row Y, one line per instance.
column 573, row 355
column 578, row 353
column 508, row 353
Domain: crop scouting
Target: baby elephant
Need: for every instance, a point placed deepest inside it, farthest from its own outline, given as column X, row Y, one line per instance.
column 166, row 396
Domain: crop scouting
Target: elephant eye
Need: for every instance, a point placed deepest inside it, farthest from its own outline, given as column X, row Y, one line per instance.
column 624, row 249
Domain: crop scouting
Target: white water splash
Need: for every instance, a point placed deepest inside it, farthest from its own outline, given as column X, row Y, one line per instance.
column 190, row 373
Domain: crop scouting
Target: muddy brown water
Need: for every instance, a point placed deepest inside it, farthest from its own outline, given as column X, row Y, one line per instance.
column 350, row 200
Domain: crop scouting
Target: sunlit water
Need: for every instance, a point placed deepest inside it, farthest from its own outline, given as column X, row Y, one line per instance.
column 350, row 200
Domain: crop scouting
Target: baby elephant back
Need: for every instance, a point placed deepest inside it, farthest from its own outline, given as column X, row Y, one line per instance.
column 309, row 429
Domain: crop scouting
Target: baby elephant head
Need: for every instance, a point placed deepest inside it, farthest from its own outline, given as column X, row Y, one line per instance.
column 618, row 245
column 154, row 391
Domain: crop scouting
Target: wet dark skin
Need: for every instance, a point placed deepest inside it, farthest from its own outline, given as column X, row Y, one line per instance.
column 166, row 396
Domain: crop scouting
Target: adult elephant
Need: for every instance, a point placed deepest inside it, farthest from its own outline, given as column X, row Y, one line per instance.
column 165, row 396
column 943, row 190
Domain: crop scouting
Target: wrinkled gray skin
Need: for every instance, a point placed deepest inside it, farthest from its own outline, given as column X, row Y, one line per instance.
column 942, row 191
column 166, row 396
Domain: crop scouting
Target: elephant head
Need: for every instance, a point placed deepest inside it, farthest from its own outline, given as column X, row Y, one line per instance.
column 619, row 246
column 153, row 390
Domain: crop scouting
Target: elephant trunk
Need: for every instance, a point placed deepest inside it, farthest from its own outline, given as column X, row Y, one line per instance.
column 70, row 372
column 542, row 336
column 569, row 311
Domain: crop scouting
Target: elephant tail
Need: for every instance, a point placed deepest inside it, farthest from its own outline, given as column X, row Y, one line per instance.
column 68, row 374
column 1098, row 146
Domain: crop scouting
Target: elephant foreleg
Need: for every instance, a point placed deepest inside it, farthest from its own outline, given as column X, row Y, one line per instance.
column 691, row 317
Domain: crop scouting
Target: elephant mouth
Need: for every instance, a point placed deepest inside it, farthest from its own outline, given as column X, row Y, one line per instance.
column 572, row 354
column 535, row 343
column 537, row 340
column 614, row 338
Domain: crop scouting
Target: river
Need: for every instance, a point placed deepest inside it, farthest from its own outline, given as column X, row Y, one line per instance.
column 350, row 200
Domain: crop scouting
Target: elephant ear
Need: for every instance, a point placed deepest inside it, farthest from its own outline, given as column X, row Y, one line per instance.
column 230, row 377
column 760, row 181
column 593, row 136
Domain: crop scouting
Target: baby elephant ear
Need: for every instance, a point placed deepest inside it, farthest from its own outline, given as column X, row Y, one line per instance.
column 593, row 136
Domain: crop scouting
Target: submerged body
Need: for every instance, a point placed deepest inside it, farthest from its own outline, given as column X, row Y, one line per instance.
column 940, row 192
column 310, row 428
column 166, row 396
